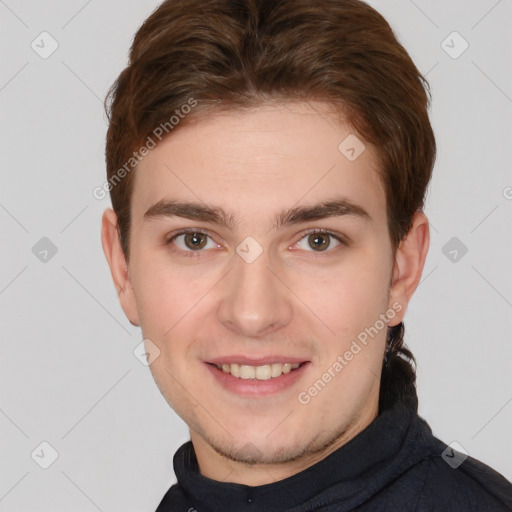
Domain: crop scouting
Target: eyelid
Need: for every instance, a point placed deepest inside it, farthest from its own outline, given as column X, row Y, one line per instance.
column 338, row 236
column 186, row 231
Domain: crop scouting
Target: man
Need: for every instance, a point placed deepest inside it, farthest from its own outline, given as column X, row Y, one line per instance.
column 267, row 164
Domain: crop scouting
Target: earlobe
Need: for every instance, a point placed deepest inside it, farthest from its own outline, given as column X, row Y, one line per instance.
column 409, row 262
column 118, row 265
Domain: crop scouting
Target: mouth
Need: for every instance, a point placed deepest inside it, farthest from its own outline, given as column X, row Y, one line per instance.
column 266, row 377
column 261, row 372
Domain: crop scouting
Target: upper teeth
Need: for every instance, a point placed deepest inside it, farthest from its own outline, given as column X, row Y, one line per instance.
column 264, row 372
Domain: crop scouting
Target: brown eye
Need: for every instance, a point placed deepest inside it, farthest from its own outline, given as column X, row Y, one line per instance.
column 191, row 241
column 319, row 241
column 195, row 241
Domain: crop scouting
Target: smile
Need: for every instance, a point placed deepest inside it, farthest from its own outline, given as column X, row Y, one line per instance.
column 264, row 372
column 257, row 381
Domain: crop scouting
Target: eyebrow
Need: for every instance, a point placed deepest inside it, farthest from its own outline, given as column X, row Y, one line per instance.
column 217, row 215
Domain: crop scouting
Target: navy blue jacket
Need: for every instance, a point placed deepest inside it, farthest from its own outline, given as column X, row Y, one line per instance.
column 394, row 465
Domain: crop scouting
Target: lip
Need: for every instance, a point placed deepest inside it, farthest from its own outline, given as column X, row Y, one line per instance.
column 255, row 388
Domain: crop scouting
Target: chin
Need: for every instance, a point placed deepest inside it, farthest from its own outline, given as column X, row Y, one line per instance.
column 259, row 451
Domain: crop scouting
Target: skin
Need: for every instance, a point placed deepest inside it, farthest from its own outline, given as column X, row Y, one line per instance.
column 293, row 299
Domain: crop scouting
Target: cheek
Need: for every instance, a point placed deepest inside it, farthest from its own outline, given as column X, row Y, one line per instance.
column 352, row 295
column 163, row 295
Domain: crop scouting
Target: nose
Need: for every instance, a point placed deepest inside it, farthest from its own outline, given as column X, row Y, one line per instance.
column 254, row 301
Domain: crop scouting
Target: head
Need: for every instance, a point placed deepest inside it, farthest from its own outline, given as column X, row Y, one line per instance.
column 255, row 125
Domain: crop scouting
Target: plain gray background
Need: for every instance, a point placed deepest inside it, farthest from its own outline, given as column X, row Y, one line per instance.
column 68, row 375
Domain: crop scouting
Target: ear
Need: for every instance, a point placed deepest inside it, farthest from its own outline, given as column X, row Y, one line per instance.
column 118, row 265
column 409, row 262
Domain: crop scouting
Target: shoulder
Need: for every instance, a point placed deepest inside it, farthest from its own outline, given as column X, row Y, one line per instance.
column 453, row 481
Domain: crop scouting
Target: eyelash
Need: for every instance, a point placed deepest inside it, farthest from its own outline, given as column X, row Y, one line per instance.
column 312, row 231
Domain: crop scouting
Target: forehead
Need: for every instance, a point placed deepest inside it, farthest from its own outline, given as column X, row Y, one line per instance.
column 260, row 161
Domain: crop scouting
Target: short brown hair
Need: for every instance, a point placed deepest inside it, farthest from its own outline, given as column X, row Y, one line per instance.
column 236, row 54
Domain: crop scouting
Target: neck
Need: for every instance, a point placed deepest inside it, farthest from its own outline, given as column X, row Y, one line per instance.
column 218, row 467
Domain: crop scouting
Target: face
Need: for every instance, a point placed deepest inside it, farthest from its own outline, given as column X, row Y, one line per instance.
column 256, row 242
